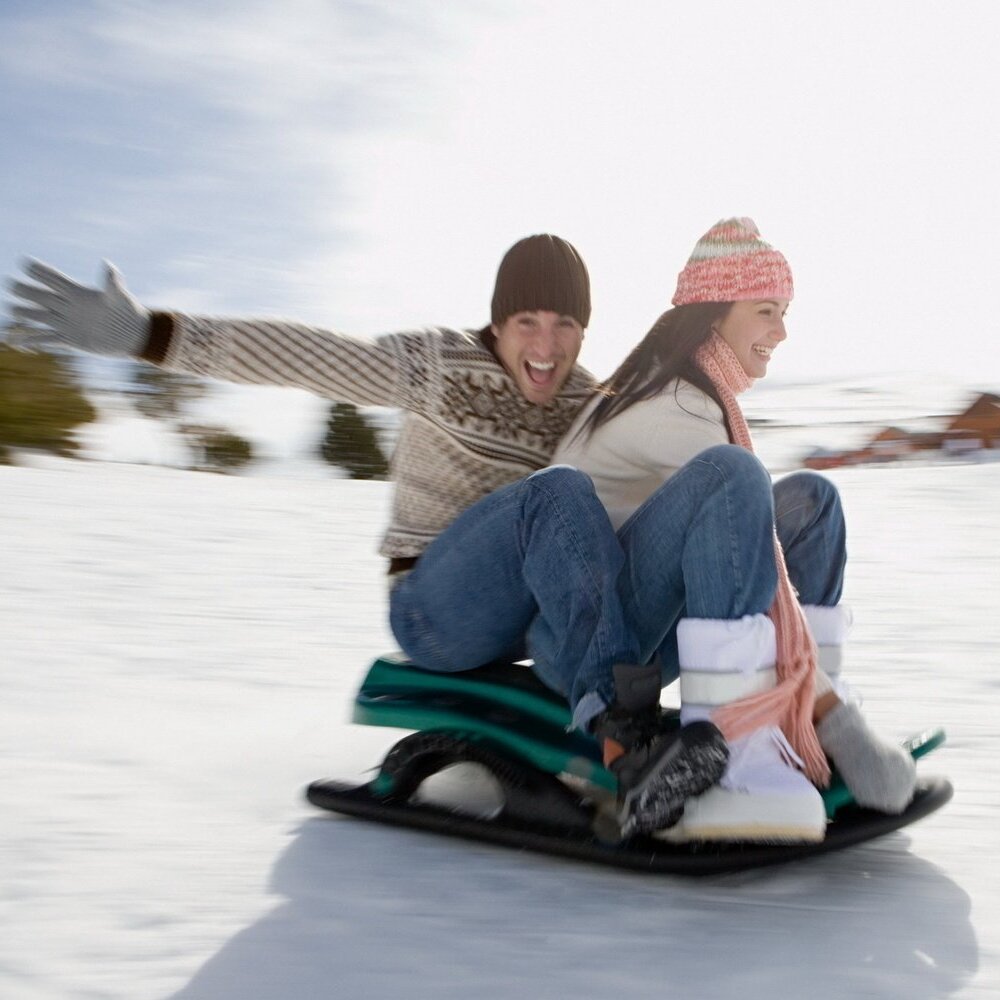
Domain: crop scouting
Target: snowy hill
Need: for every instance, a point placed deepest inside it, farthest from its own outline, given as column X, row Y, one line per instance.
column 179, row 654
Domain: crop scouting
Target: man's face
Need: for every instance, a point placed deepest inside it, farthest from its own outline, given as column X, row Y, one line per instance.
column 538, row 349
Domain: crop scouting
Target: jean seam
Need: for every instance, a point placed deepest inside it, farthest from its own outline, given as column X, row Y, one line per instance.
column 730, row 523
column 569, row 528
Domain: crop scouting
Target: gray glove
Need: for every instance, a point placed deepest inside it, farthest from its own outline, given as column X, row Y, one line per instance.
column 56, row 311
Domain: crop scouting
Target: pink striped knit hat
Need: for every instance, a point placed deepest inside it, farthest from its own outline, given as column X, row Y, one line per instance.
column 731, row 263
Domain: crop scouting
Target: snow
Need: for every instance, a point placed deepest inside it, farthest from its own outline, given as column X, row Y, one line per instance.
column 179, row 653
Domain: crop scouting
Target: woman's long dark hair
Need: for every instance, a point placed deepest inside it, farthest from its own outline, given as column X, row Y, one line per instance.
column 664, row 354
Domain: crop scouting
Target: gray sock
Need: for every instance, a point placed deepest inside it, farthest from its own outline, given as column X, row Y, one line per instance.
column 880, row 775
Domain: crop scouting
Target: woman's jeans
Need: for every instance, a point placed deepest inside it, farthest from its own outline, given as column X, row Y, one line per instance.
column 535, row 570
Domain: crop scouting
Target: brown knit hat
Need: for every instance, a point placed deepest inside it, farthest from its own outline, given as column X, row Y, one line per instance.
column 542, row 272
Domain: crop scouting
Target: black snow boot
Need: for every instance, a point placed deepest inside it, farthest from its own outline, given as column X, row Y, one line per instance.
column 657, row 769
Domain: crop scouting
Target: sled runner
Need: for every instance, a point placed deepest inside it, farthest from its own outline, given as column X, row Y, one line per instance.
column 541, row 786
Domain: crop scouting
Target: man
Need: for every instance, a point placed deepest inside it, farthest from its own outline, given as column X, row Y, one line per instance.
column 491, row 554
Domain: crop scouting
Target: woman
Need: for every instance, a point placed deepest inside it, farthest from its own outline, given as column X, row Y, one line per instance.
column 665, row 428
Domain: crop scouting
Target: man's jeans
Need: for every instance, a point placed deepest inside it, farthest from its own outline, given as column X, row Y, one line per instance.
column 536, row 570
column 529, row 571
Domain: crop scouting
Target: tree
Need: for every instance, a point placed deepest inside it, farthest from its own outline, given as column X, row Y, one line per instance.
column 161, row 394
column 40, row 404
column 350, row 442
column 217, row 450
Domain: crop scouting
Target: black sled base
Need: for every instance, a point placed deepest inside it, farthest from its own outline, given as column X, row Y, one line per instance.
column 550, row 785
column 853, row 825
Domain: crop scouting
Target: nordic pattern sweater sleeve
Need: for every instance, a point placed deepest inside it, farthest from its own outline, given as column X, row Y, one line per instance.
column 393, row 370
column 466, row 429
column 634, row 453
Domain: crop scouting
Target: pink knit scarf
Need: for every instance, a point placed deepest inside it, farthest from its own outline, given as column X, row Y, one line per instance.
column 790, row 703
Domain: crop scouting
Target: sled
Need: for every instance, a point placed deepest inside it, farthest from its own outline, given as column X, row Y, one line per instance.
column 542, row 786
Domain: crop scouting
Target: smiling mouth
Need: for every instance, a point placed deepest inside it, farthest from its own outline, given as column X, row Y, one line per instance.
column 762, row 351
column 540, row 373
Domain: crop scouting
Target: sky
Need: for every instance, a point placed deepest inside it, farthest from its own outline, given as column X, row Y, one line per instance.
column 364, row 165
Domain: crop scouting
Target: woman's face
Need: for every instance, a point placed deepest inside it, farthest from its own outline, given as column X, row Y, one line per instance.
column 753, row 330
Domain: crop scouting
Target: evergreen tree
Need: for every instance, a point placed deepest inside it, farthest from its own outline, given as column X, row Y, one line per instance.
column 217, row 449
column 350, row 442
column 163, row 395
column 40, row 404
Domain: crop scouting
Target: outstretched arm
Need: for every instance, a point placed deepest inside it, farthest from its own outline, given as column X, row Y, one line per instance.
column 51, row 310
column 281, row 352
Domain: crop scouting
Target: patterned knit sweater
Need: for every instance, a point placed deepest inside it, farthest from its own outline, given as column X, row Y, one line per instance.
column 466, row 429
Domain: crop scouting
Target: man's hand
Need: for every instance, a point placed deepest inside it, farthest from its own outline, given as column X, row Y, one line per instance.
column 56, row 311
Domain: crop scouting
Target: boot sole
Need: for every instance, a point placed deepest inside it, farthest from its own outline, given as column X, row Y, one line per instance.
column 757, row 818
column 690, row 765
column 747, row 834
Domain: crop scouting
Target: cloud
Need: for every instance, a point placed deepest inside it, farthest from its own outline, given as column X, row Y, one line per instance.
column 221, row 133
column 254, row 60
column 365, row 164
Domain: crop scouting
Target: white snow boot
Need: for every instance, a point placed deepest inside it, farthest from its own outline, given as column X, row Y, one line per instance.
column 763, row 796
column 829, row 627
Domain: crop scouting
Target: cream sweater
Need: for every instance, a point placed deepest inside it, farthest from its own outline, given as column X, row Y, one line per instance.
column 635, row 452
column 466, row 428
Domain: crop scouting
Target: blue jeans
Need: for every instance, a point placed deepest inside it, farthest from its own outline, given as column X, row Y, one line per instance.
column 702, row 547
column 810, row 521
column 536, row 570
column 529, row 571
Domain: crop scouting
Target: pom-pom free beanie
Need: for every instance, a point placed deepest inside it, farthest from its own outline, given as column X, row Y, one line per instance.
column 542, row 272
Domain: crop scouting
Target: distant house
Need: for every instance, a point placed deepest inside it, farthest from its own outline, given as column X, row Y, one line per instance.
column 823, row 458
column 891, row 444
column 980, row 423
column 976, row 429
